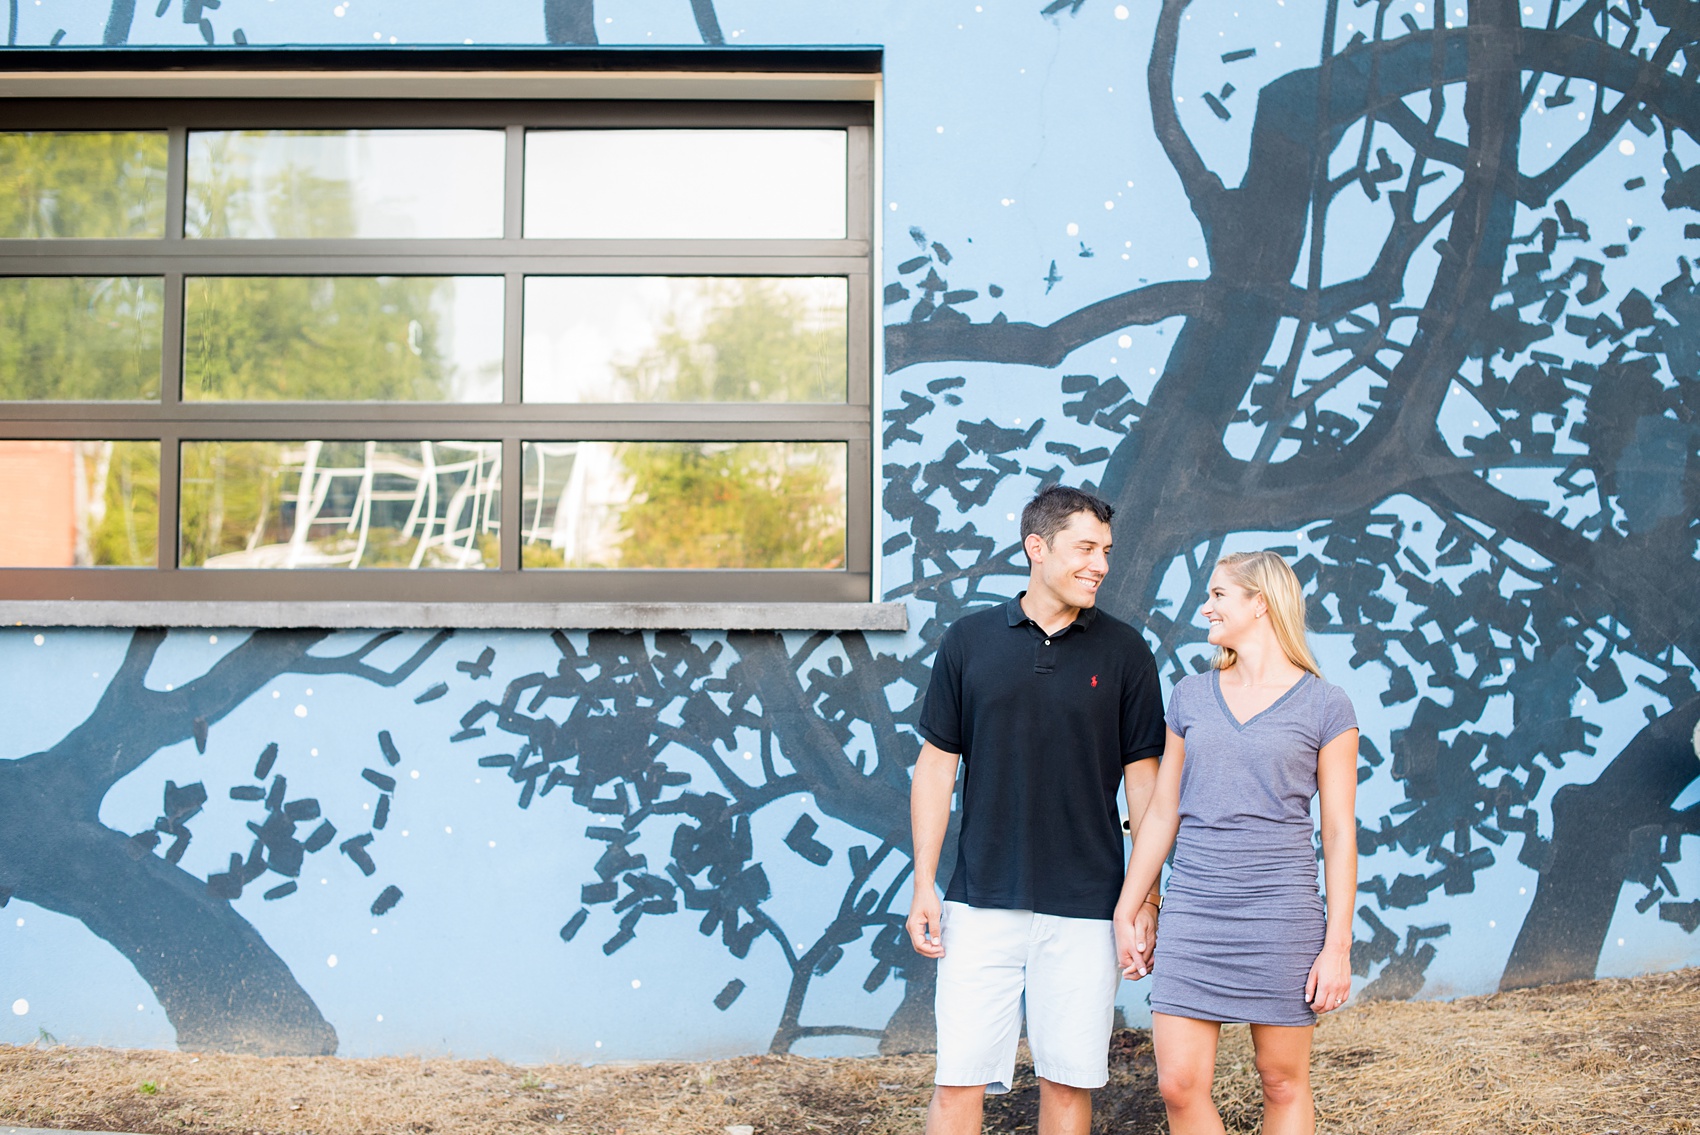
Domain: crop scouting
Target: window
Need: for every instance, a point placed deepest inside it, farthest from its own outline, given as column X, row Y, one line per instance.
column 427, row 350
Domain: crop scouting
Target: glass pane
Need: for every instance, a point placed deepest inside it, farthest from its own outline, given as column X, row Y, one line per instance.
column 685, row 339
column 693, row 504
column 686, row 184
column 79, row 503
column 405, row 184
column 342, row 338
column 65, row 338
column 108, row 186
column 342, row 504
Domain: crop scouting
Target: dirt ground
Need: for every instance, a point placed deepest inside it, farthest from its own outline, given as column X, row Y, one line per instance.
column 1618, row 1057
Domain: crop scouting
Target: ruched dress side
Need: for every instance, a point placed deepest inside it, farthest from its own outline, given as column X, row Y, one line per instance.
column 1242, row 919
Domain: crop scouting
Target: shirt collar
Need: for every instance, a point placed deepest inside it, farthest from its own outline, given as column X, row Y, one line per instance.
column 1017, row 616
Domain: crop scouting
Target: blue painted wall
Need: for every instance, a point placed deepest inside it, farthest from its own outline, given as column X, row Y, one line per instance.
column 1415, row 306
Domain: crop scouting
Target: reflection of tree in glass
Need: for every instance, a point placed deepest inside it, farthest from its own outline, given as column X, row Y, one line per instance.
column 79, row 337
column 299, row 338
column 82, row 185
column 124, row 525
column 745, row 505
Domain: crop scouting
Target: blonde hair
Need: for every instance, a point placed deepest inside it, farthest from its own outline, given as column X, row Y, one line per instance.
column 1267, row 574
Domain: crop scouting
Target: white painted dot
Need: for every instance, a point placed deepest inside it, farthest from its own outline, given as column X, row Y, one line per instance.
column 1492, row 924
column 212, row 638
column 404, row 831
column 39, row 639
column 940, row 129
column 1072, row 229
column 1522, row 890
column 1112, row 360
column 1109, row 205
column 169, row 687
column 96, row 674
column 1620, row 941
column 300, row 711
column 331, row 961
column 366, row 807
column 448, row 831
column 463, row 41
column 1581, row 116
column 1499, row 476
column 893, row 208
column 492, row 843
column 377, row 35
column 374, row 929
column 1626, row 147
column 1696, row 740
column 312, row 752
column 1125, row 256
column 636, row 984
column 309, row 691
column 1007, row 516
column 20, row 922
column 1150, row 370
column 277, row 694
column 414, row 774
column 1121, row 11
column 1192, row 262
column 1018, row 421
column 339, row 11
column 1006, row 201
column 747, row 756
column 1421, row 9
column 322, row 882
column 20, row 1006
column 1528, row 11
column 380, row 1015
column 1124, row 341
column 141, row 1008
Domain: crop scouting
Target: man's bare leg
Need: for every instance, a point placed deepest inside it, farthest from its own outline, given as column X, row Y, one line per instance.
column 956, row 1110
column 1064, row 1110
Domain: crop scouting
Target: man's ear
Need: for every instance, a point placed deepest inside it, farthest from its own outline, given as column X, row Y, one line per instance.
column 1035, row 546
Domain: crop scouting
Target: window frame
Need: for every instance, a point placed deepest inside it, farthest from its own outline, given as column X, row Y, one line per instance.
column 511, row 422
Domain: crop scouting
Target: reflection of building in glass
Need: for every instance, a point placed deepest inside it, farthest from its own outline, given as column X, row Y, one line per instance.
column 57, row 497
column 372, row 504
column 573, row 496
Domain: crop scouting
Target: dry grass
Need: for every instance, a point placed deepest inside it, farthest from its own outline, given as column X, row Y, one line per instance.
column 1595, row 1057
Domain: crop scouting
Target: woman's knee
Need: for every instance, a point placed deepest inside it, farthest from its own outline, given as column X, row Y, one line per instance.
column 1183, row 1086
column 1283, row 1083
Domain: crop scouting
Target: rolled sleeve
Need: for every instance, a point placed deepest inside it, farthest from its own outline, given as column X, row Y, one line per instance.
column 941, row 710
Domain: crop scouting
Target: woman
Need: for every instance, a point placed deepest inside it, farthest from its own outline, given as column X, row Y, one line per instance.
column 1242, row 935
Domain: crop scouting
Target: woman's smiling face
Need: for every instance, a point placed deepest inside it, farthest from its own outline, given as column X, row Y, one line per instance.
column 1231, row 610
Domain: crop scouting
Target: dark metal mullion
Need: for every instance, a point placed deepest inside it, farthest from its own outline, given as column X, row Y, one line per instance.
column 859, row 197
column 860, row 347
column 438, row 429
column 859, row 508
column 170, row 478
column 513, row 488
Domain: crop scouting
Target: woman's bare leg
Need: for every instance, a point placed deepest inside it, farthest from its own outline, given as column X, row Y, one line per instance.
column 1283, row 1064
column 1186, row 1066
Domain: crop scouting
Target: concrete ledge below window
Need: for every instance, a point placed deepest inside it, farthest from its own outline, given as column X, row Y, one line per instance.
column 484, row 616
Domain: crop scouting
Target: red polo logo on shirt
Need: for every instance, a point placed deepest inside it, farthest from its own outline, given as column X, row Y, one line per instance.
column 1094, row 681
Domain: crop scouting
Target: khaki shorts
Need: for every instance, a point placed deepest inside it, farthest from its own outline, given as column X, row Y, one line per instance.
column 997, row 963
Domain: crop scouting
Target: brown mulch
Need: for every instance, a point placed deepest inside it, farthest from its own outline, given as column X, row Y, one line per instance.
column 1617, row 1056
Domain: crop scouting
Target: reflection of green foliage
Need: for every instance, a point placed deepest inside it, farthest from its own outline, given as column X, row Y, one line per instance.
column 128, row 534
column 85, row 185
column 226, row 486
column 760, row 342
column 312, row 338
column 79, row 337
column 538, row 555
column 742, row 505
column 228, row 198
column 745, row 505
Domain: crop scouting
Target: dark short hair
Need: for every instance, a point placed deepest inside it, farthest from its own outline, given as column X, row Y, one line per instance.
column 1049, row 511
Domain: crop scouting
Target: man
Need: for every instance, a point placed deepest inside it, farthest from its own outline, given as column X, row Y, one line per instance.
column 1047, row 703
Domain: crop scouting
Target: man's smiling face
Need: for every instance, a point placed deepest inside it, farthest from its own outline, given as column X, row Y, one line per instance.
column 1074, row 563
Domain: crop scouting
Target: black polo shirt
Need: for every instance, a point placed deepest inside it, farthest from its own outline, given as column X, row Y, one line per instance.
column 1045, row 724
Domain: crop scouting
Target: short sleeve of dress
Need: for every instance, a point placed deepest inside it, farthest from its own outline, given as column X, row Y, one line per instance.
column 1337, row 715
column 941, row 712
column 1175, row 717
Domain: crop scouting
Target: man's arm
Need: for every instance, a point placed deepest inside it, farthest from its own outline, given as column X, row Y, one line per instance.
column 930, row 788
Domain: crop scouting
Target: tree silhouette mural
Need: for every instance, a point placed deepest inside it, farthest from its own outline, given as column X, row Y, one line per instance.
column 1536, row 596
column 220, row 984
column 1484, row 441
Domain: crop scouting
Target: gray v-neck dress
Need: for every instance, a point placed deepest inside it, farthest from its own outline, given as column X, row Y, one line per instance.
column 1242, row 921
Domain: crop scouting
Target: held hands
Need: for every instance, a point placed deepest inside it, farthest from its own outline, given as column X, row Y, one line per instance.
column 925, row 924
column 1330, row 981
column 1136, row 941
